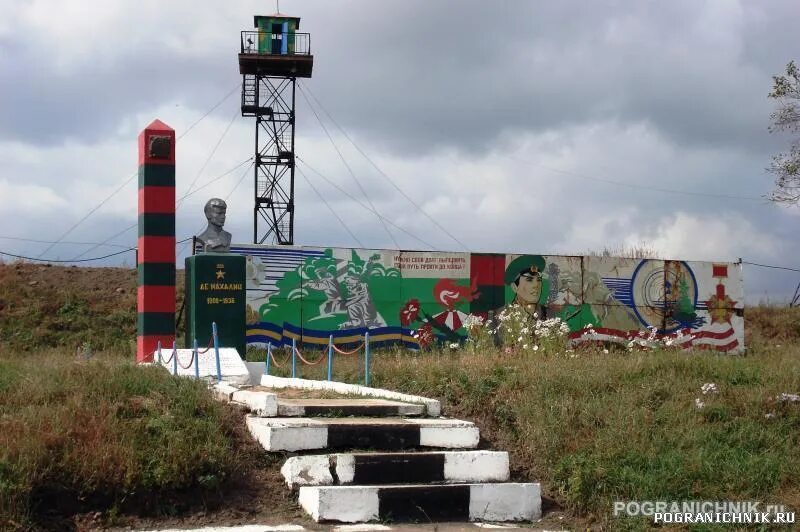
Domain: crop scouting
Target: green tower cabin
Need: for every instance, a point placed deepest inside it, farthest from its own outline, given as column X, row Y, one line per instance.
column 271, row 58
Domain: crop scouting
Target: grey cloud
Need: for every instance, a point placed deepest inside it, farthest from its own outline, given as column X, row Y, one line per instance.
column 418, row 76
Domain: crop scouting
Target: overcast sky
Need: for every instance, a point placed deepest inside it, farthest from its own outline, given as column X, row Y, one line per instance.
column 543, row 127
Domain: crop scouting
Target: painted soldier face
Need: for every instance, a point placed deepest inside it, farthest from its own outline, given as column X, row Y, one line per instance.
column 528, row 288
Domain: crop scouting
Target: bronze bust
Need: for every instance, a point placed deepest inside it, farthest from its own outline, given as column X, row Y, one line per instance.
column 214, row 238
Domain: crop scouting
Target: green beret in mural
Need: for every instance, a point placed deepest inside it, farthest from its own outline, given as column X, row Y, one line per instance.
column 531, row 264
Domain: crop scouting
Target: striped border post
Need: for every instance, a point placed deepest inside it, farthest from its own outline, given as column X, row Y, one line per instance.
column 156, row 244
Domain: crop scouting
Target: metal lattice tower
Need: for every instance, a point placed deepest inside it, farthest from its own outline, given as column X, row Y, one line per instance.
column 270, row 60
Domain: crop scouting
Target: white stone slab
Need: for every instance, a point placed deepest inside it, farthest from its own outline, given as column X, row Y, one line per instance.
column 232, row 368
column 345, row 468
column 262, row 404
column 312, row 470
column 256, row 370
column 447, row 433
column 287, row 437
column 224, row 391
column 505, row 502
column 346, row 504
column 432, row 406
column 476, row 466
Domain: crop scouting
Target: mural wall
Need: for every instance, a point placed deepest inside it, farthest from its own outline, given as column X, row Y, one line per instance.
column 308, row 294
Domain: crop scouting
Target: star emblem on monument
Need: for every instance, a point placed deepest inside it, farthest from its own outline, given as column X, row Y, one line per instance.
column 220, row 275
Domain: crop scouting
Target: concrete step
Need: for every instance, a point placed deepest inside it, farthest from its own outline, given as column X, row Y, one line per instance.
column 432, row 406
column 456, row 502
column 347, row 407
column 260, row 403
column 299, row 434
column 396, row 468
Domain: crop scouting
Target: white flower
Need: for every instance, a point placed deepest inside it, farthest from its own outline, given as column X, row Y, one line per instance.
column 536, row 348
column 698, row 403
column 472, row 320
column 605, row 351
column 769, row 415
column 709, row 388
column 789, row 398
column 535, row 315
column 454, row 345
column 524, row 346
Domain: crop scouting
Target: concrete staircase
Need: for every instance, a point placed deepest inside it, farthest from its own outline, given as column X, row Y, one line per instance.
column 396, row 462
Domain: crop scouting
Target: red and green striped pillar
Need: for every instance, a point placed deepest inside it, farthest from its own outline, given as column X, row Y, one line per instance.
column 156, row 244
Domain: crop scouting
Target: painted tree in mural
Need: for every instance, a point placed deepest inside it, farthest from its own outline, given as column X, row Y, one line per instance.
column 786, row 118
column 330, row 294
column 685, row 313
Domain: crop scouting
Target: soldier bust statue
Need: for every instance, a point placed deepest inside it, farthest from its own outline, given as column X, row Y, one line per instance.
column 214, row 238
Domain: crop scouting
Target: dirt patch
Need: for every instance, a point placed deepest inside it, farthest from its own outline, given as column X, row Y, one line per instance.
column 295, row 393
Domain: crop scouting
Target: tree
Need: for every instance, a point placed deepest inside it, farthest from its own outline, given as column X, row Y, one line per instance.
column 786, row 118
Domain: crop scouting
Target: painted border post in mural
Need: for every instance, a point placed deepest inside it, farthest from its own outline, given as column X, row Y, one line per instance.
column 417, row 298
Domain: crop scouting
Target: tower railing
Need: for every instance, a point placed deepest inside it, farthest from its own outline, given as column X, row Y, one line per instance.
column 260, row 43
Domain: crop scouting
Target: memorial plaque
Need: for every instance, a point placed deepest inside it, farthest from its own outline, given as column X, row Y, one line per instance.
column 232, row 368
column 215, row 292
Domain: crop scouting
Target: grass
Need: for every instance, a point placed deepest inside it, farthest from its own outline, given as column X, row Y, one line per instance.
column 79, row 435
column 103, row 435
column 625, row 427
column 622, row 426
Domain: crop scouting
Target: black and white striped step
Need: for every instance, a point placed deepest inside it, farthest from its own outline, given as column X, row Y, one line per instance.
column 347, row 407
column 299, row 434
column 459, row 502
column 396, row 468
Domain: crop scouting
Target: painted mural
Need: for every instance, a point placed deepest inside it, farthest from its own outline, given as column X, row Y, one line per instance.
column 417, row 298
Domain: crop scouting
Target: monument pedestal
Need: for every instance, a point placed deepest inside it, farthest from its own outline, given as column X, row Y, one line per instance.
column 215, row 292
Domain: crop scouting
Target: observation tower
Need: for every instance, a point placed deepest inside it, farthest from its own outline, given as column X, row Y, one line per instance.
column 271, row 58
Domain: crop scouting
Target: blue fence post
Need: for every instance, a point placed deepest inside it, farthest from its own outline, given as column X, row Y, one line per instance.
column 330, row 358
column 174, row 359
column 294, row 357
column 366, row 358
column 216, row 349
column 269, row 356
column 158, row 349
column 196, row 361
